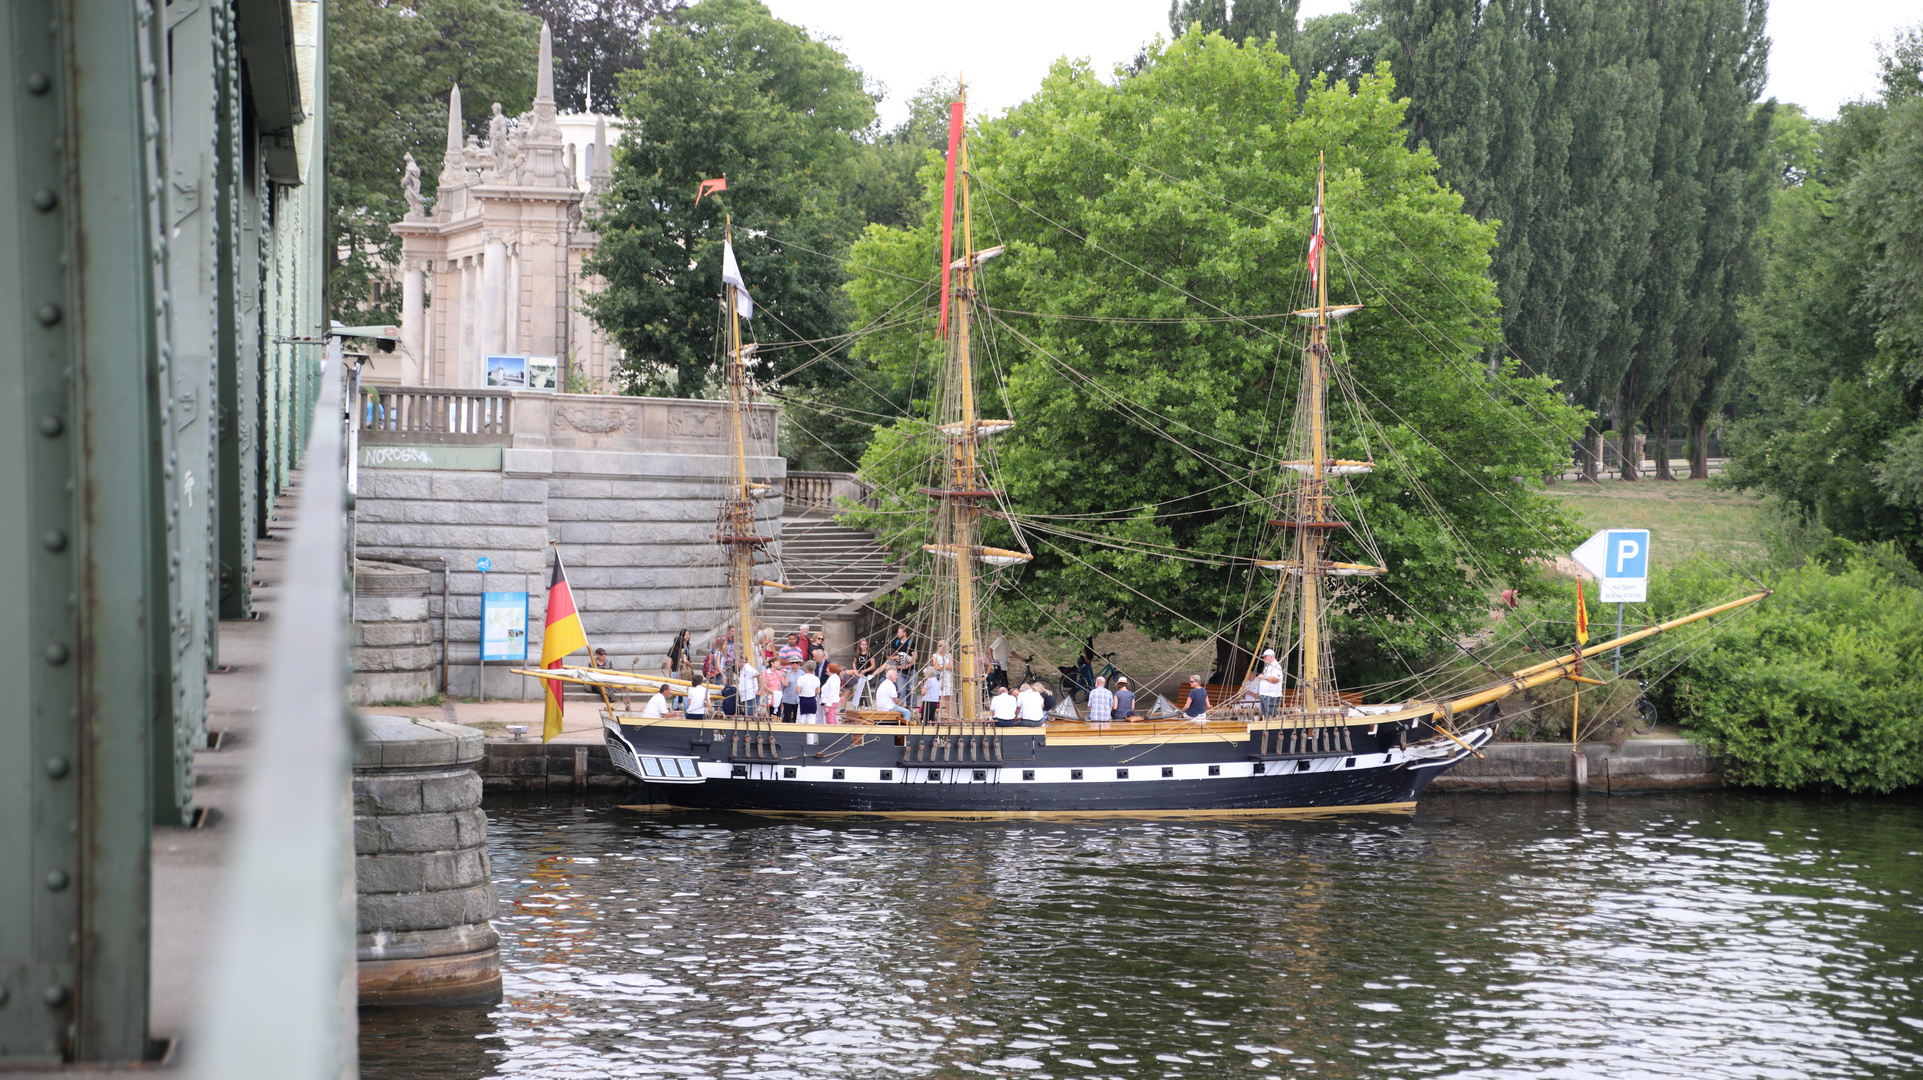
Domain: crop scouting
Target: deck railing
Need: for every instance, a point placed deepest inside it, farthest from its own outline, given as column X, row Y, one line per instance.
column 436, row 415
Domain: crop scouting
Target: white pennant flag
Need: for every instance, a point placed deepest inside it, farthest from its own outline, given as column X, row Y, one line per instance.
column 731, row 275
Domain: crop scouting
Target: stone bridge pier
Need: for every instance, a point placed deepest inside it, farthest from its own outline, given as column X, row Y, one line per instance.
column 627, row 487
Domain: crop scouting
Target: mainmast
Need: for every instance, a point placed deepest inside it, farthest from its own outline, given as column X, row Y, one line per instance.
column 958, row 524
column 738, row 533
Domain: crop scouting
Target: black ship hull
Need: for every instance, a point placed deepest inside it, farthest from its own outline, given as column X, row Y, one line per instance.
column 977, row 771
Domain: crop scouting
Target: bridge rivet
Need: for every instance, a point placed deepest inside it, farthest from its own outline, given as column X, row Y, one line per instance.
column 56, row 767
column 56, row 995
column 38, row 83
column 56, row 654
column 48, row 314
column 56, row 880
column 51, row 425
column 55, row 540
column 45, row 200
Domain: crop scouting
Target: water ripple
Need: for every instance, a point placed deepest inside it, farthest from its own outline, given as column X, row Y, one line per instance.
column 1715, row 935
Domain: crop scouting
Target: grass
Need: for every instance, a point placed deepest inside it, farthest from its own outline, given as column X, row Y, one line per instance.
column 1684, row 517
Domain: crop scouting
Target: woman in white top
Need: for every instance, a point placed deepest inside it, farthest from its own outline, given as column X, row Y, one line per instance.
column 930, row 696
column 807, row 697
column 657, row 706
column 945, row 668
column 697, row 707
column 1003, row 707
column 831, row 695
column 748, row 686
column 1030, row 703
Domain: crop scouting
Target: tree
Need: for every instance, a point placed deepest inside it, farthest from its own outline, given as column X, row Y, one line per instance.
column 728, row 90
column 1138, row 217
column 391, row 64
column 1835, row 378
column 595, row 41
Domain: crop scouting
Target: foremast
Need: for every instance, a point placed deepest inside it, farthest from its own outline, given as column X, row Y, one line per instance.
column 962, row 434
column 738, row 534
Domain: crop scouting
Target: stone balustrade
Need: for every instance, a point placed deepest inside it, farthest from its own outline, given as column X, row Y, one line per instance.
column 534, row 420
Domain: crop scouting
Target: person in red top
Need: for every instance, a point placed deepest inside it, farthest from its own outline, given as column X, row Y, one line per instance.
column 806, row 641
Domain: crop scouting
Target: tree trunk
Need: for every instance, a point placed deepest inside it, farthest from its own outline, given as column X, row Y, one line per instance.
column 1698, row 446
column 1632, row 455
column 1660, row 437
column 1592, row 457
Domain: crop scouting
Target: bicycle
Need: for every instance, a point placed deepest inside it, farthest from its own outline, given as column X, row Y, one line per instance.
column 1646, row 717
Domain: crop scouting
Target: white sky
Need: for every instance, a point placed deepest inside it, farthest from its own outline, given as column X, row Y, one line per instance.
column 1823, row 52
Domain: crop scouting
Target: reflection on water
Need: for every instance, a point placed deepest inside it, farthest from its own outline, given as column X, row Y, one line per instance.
column 1713, row 935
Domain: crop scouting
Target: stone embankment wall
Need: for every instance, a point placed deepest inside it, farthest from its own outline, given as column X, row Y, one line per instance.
column 425, row 896
column 1638, row 765
column 395, row 652
column 628, row 487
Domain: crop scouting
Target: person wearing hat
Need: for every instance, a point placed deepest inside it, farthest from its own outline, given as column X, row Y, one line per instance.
column 1269, row 685
column 1124, row 700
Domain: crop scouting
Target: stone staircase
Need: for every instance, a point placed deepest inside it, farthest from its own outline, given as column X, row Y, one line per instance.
column 830, row 566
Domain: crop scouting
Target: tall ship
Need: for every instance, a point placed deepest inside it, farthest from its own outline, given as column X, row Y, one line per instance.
column 1309, row 749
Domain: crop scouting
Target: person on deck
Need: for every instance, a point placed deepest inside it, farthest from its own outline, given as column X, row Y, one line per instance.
column 1124, row 700
column 831, row 695
column 1029, row 702
column 806, row 641
column 697, row 706
column 807, row 697
column 930, row 694
column 888, row 696
column 657, row 706
column 1048, row 696
column 791, row 652
column 1198, row 706
column 790, row 692
column 1004, row 708
column 678, row 653
column 771, row 688
column 730, row 697
column 714, row 663
column 1101, row 702
column 862, row 670
column 747, row 689
column 1269, row 687
column 818, row 662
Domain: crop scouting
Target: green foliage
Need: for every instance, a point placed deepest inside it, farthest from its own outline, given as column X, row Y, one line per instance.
column 1183, row 193
column 1819, row 686
column 390, row 65
column 1835, row 381
column 728, row 89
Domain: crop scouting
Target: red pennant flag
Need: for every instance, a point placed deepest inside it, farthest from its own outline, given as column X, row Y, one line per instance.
column 948, row 209
column 563, row 636
column 719, row 183
column 1315, row 246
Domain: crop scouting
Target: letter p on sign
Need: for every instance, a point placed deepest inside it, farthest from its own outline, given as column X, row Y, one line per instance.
column 1619, row 558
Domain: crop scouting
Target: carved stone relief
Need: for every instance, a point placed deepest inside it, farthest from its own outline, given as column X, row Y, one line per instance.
column 690, row 424
column 596, row 421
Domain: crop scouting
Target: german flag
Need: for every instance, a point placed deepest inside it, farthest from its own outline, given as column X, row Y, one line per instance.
column 562, row 636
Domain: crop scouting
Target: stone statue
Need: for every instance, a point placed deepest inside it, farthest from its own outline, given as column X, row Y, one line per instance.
column 411, row 186
column 472, row 156
column 497, row 139
column 570, row 165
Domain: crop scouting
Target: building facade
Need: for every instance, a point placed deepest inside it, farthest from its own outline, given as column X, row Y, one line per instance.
column 495, row 270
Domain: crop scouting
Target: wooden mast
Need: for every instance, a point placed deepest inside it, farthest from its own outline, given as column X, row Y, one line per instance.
column 967, row 475
column 1312, row 494
column 738, row 532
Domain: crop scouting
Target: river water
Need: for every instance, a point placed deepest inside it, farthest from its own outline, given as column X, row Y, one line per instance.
column 1700, row 935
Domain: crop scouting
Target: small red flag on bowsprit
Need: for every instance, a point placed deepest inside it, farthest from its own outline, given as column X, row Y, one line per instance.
column 1582, row 617
column 562, row 637
column 719, row 183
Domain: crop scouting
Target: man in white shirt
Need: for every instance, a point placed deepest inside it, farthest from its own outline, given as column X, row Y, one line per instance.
column 697, row 708
column 657, row 706
column 1029, row 705
column 888, row 696
column 1269, row 686
column 1003, row 707
column 747, row 687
